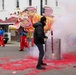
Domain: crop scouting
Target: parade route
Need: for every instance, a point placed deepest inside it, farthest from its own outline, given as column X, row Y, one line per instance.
column 24, row 25
column 14, row 62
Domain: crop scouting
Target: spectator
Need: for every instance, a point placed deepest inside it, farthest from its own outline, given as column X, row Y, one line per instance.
column 39, row 40
column 1, row 37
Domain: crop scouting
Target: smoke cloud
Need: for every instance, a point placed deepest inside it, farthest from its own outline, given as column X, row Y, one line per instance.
column 64, row 27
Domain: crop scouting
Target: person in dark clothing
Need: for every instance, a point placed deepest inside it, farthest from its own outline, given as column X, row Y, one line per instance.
column 39, row 40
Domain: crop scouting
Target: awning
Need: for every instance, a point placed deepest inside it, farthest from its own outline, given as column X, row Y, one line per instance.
column 9, row 21
column 1, row 20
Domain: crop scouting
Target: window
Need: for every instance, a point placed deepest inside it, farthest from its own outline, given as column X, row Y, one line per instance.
column 30, row 2
column 1, row 4
column 45, row 2
column 56, row 2
column 17, row 3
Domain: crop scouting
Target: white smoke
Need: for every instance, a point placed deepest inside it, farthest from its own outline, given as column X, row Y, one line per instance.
column 34, row 52
column 64, row 27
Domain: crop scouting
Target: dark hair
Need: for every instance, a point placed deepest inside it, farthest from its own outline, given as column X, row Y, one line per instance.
column 42, row 19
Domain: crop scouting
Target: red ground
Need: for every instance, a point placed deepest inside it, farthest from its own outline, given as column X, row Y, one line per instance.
column 30, row 62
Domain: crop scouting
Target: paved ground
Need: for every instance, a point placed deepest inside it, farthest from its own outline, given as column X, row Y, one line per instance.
column 10, row 55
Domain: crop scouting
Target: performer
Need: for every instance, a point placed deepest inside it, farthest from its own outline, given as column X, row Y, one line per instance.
column 23, row 39
column 39, row 40
column 1, row 37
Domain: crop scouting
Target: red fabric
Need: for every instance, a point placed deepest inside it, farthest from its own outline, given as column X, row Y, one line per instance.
column 68, row 61
column 2, row 41
column 32, row 42
column 23, row 42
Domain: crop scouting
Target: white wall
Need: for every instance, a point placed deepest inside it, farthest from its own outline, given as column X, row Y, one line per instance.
column 36, row 3
column 23, row 4
column 3, row 14
column 0, row 4
column 10, row 7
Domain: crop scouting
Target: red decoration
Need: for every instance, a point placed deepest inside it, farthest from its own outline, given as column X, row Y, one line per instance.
column 30, row 62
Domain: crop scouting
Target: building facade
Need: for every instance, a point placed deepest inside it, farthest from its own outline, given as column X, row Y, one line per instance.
column 10, row 6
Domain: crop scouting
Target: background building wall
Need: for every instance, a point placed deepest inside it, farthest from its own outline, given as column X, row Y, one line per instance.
column 10, row 7
column 23, row 4
column 36, row 3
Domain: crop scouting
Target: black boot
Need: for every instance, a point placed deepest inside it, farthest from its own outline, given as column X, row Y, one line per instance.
column 44, row 64
column 21, row 50
column 40, row 67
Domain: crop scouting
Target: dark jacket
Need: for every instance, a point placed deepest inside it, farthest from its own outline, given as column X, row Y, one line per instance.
column 39, row 33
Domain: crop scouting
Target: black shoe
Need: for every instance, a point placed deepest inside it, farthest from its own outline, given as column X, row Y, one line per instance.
column 21, row 50
column 40, row 68
column 44, row 64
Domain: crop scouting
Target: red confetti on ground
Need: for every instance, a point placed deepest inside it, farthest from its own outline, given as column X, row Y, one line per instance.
column 30, row 63
column 74, row 66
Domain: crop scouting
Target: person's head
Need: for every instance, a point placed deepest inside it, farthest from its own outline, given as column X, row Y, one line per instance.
column 43, row 20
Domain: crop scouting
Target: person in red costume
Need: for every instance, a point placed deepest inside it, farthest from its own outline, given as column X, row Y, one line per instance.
column 23, row 39
column 1, row 37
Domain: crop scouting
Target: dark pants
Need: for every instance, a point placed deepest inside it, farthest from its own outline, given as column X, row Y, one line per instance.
column 41, row 53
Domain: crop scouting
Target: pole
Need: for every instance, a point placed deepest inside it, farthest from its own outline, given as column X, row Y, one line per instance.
column 52, row 41
column 41, row 6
